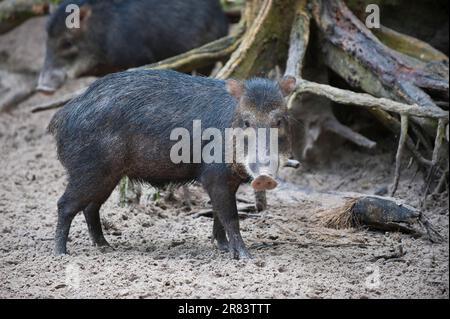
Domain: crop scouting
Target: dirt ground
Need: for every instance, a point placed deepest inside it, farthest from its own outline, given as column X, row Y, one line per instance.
column 162, row 251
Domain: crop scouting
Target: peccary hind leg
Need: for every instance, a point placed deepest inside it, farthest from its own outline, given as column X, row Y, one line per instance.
column 68, row 207
column 219, row 234
column 83, row 194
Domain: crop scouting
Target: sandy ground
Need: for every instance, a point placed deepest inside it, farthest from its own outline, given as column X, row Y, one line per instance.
column 162, row 251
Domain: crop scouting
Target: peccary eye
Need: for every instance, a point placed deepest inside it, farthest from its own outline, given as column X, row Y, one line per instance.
column 246, row 124
column 279, row 122
column 66, row 44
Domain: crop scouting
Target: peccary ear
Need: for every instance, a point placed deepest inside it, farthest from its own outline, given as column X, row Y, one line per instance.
column 235, row 88
column 287, row 85
column 85, row 13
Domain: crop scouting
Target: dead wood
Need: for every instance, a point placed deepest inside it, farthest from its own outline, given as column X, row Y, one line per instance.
column 378, row 213
column 307, row 244
column 244, row 211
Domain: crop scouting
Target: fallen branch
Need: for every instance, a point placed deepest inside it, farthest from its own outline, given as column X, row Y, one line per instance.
column 333, row 125
column 306, row 244
column 378, row 213
column 58, row 102
column 244, row 211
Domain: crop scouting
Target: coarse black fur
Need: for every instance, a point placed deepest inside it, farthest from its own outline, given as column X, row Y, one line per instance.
column 125, row 121
column 132, row 33
column 115, row 35
column 121, row 126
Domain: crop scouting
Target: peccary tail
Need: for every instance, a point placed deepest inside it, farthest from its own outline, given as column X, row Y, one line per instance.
column 55, row 123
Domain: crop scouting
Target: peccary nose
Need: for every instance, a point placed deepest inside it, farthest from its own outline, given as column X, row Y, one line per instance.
column 264, row 183
column 45, row 89
column 50, row 80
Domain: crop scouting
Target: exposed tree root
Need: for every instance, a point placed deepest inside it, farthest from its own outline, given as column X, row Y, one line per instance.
column 399, row 77
column 264, row 44
column 401, row 147
column 299, row 41
column 442, row 184
column 354, row 53
column 347, row 97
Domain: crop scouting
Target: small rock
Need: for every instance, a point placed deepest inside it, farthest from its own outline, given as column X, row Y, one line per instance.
column 175, row 243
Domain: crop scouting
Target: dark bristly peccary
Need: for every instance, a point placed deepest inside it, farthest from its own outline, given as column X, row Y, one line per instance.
column 121, row 126
column 114, row 35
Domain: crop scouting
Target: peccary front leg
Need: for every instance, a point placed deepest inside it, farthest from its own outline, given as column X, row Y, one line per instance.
column 92, row 215
column 223, row 199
